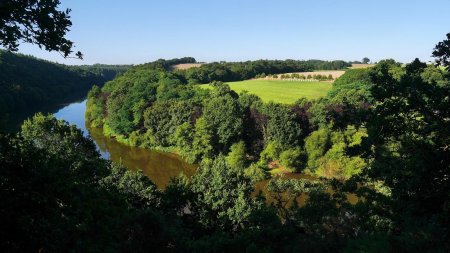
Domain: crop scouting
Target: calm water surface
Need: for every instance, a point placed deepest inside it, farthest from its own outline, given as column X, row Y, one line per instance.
column 158, row 166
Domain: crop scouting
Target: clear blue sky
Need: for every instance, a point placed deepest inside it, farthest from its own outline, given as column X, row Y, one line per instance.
column 138, row 31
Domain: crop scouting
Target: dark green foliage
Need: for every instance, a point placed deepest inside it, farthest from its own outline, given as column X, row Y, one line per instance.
column 28, row 84
column 36, row 22
column 329, row 152
column 58, row 195
column 126, row 104
column 347, row 102
column 326, row 65
column 202, row 145
column 135, row 187
column 224, row 116
column 353, row 86
column 409, row 130
column 183, row 138
column 49, row 188
column 442, row 53
column 223, row 195
column 352, row 76
column 282, row 126
column 172, row 89
column 128, row 96
column 292, row 159
column 162, row 119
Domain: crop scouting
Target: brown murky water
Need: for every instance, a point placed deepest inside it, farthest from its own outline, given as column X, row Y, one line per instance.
column 160, row 167
column 261, row 187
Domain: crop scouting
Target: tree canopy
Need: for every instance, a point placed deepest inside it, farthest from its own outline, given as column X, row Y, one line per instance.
column 442, row 53
column 28, row 84
column 37, row 22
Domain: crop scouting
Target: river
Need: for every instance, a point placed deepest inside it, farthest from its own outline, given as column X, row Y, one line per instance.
column 158, row 166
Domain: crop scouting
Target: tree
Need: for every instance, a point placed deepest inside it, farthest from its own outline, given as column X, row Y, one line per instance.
column 224, row 116
column 67, row 143
column 292, row 158
column 223, row 195
column 135, row 187
column 409, row 138
column 183, row 138
column 201, row 143
column 442, row 53
column 58, row 194
column 49, row 189
column 236, row 158
column 281, row 125
column 162, row 119
column 37, row 22
column 328, row 152
column 365, row 60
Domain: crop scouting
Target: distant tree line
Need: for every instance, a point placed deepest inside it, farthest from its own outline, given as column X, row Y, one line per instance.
column 105, row 71
column 26, row 83
column 238, row 71
column 299, row 76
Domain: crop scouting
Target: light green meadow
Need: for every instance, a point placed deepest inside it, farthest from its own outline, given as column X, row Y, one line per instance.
column 281, row 91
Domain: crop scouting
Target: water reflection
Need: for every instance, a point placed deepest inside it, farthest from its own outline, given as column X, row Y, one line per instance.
column 261, row 187
column 158, row 166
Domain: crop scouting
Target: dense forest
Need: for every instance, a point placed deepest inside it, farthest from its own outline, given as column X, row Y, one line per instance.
column 154, row 108
column 28, row 83
column 381, row 134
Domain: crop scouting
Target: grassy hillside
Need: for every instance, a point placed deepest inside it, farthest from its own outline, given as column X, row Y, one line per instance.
column 281, row 91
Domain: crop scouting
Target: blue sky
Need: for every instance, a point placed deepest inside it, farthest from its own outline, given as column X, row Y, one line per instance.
column 139, row 31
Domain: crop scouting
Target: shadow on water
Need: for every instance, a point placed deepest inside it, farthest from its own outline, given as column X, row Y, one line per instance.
column 160, row 167
column 11, row 123
column 261, row 187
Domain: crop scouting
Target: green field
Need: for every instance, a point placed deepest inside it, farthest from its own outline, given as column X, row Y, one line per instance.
column 281, row 91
